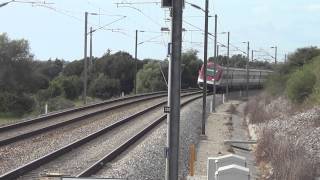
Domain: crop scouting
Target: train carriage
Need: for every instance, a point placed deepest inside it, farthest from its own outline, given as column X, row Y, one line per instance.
column 236, row 78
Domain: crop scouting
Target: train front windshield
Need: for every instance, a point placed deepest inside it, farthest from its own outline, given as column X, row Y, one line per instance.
column 211, row 71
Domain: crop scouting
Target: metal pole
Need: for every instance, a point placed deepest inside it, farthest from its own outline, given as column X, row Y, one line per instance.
column 285, row 58
column 135, row 63
column 228, row 54
column 214, row 64
column 175, row 87
column 218, row 51
column 252, row 55
column 275, row 56
column 85, row 59
column 168, row 103
column 205, row 57
column 90, row 61
column 247, row 68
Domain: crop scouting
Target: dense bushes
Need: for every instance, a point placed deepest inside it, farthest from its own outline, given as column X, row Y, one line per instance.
column 16, row 103
column 190, row 67
column 150, row 79
column 300, row 85
column 299, row 78
column 68, row 87
column 104, row 87
column 59, row 103
column 72, row 87
column 276, row 84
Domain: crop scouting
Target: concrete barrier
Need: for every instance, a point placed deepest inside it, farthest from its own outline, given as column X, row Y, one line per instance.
column 214, row 163
column 230, row 159
column 232, row 172
column 211, row 168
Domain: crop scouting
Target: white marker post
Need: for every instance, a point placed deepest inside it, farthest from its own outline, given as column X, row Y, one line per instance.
column 46, row 108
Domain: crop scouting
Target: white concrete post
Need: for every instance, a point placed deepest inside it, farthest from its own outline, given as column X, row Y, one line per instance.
column 223, row 100
column 46, row 108
column 211, row 168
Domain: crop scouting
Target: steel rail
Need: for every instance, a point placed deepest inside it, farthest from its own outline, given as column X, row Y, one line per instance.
column 67, row 111
column 123, row 147
column 53, row 155
column 73, row 120
column 64, row 123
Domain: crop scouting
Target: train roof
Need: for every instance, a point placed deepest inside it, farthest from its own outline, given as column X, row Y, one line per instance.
column 233, row 68
column 251, row 69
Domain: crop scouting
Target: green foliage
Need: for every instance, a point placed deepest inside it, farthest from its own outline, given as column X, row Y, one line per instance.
column 18, row 77
column 14, row 50
column 299, row 78
column 72, row 87
column 68, row 86
column 104, row 87
column 59, row 103
column 18, row 104
column 276, row 84
column 150, row 79
column 118, row 66
column 73, row 68
column 55, row 89
column 302, row 56
column 314, row 98
column 300, row 85
column 50, row 69
column 190, row 67
column 240, row 61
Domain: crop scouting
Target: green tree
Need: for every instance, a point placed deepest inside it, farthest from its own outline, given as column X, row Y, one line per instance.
column 73, row 68
column 18, row 76
column 118, row 66
column 17, row 104
column 150, row 79
column 190, row 68
column 302, row 56
column 300, row 85
column 72, row 87
column 50, row 69
column 104, row 87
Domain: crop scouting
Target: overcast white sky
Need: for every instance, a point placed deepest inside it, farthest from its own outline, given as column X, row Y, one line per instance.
column 57, row 30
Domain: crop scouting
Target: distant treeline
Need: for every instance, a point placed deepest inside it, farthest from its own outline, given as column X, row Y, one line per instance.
column 26, row 84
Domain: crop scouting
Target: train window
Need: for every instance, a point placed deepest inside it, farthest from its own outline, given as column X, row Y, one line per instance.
column 211, row 71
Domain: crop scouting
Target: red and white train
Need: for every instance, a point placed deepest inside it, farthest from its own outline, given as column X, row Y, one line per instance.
column 237, row 78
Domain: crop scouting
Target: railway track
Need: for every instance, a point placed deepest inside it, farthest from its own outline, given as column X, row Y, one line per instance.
column 19, row 131
column 21, row 152
column 98, row 165
column 103, row 135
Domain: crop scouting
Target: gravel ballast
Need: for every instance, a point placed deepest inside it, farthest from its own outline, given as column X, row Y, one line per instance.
column 80, row 158
column 146, row 160
column 22, row 152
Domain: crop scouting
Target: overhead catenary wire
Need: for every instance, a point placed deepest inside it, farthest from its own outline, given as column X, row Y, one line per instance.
column 124, row 32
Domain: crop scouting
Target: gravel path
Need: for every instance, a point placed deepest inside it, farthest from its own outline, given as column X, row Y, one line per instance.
column 79, row 159
column 146, row 160
column 22, row 152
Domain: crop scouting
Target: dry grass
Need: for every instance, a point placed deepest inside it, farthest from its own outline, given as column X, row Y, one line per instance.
column 232, row 109
column 286, row 157
column 280, row 155
column 256, row 111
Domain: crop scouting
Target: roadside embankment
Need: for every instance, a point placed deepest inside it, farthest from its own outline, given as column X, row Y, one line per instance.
column 288, row 138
